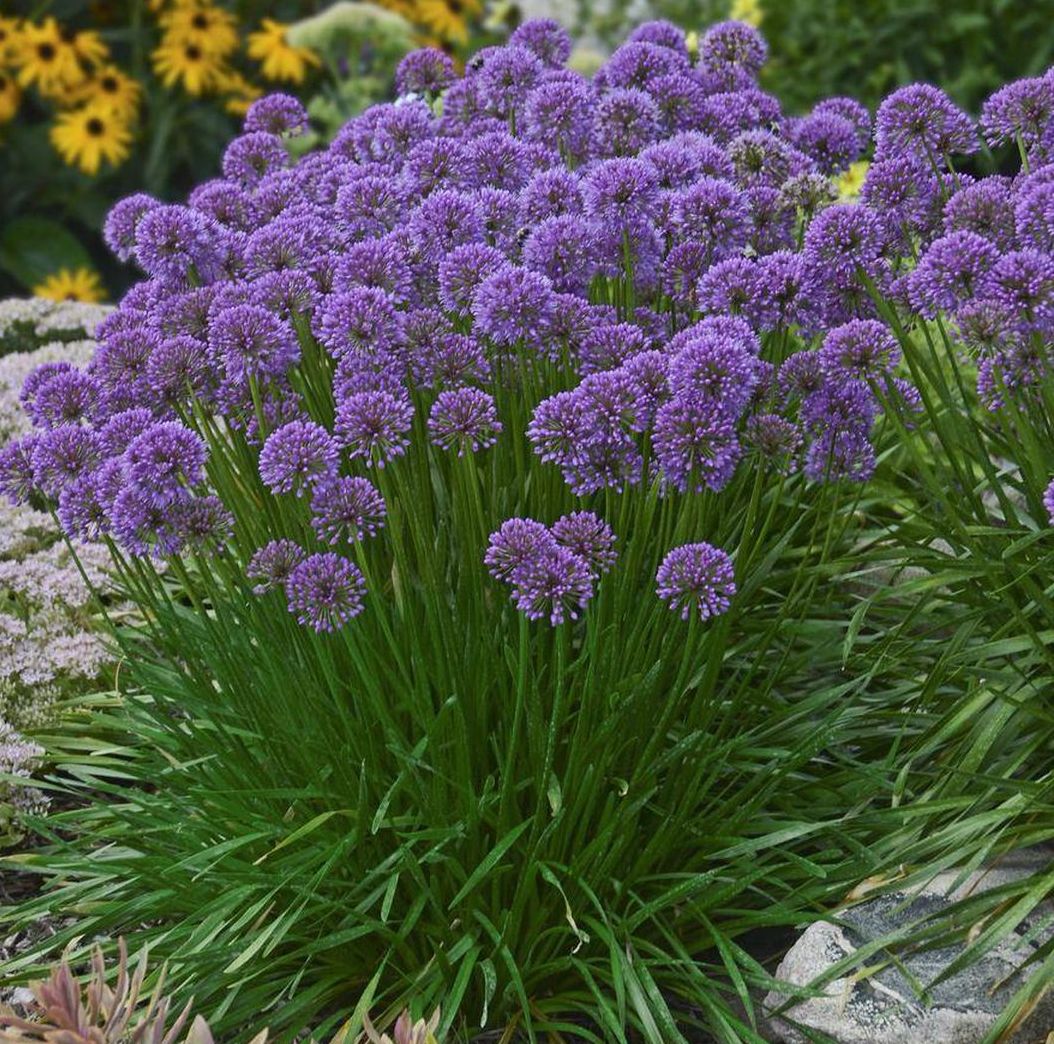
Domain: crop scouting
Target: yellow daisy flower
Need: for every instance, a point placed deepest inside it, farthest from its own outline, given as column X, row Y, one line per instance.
column 10, row 96
column 212, row 29
column 88, row 46
column 72, row 284
column 748, row 11
column 9, row 40
column 181, row 62
column 242, row 92
column 111, row 86
column 85, row 137
column 278, row 59
column 850, row 183
column 46, row 58
column 449, row 18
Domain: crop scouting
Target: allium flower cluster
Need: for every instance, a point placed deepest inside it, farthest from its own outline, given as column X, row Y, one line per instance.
column 552, row 571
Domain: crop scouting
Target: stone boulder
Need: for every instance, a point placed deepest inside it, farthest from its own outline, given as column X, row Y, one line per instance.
column 883, row 1007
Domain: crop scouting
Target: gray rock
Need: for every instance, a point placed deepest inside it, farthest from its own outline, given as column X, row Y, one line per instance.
column 883, row 1007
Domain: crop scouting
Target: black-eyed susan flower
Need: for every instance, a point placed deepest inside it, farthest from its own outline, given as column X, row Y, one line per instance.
column 10, row 96
column 209, row 28
column 87, row 136
column 449, row 19
column 279, row 60
column 239, row 92
column 9, row 40
column 72, row 284
column 111, row 86
column 183, row 62
column 46, row 58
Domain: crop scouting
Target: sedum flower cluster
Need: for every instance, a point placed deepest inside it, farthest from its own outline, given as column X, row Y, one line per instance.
column 643, row 273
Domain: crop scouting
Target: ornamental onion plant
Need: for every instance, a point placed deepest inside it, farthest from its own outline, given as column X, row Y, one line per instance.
column 492, row 485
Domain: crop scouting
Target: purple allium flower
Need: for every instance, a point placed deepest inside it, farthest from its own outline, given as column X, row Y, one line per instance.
column 609, row 345
column 905, row 192
column 463, row 270
column 550, row 193
column 714, row 370
column 438, row 163
column 554, row 583
column 843, row 240
column 801, row 374
column 696, row 579
column 625, row 120
column 849, row 109
column 695, row 444
column 840, row 453
column 637, row 63
column 374, row 425
column 173, row 241
column 517, row 542
column 451, row 360
column 179, row 369
column 202, row 523
column 361, row 321
column 444, row 220
column 590, row 538
column 862, row 349
column 253, row 341
column 844, row 405
column 713, row 213
column 119, row 230
column 506, row 78
column 830, row 140
column 426, row 71
column 378, row 264
column 685, row 264
column 63, row 454
column 680, row 100
column 325, row 591
column 370, row 206
column 16, row 469
column 647, row 373
column 760, row 157
column 500, row 161
column 776, row 440
column 1024, row 108
column 464, row 419
column 727, row 114
column 661, row 33
column 780, row 295
column 563, row 250
column 348, row 509
column 121, row 428
column 513, row 305
column 733, row 45
column 560, row 114
column 950, row 272
column 1033, row 216
column 1023, row 283
column 276, row 114
column 164, row 460
column 298, row 456
column 272, row 564
column 559, row 429
column 545, row 38
column 143, row 525
column 986, row 209
column 727, row 287
column 1048, row 502
column 85, row 502
column 922, row 122
column 620, row 191
column 64, row 397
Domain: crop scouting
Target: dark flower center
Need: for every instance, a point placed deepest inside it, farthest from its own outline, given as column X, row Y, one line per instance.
column 46, row 52
column 199, row 21
column 95, row 127
column 109, row 84
column 193, row 53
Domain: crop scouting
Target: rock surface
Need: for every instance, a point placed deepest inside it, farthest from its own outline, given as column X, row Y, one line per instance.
column 883, row 1007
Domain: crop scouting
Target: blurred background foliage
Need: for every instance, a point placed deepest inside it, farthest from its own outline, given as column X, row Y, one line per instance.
column 865, row 48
